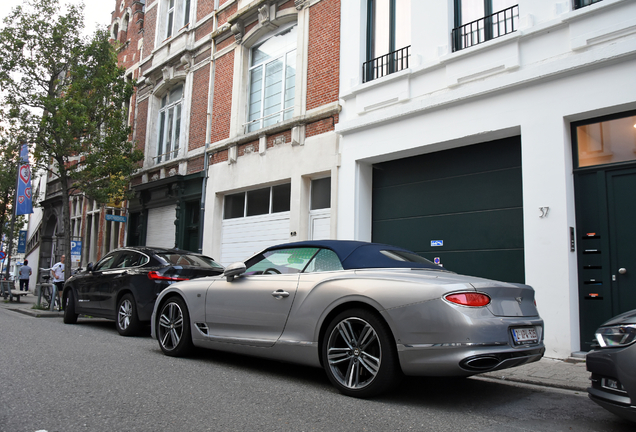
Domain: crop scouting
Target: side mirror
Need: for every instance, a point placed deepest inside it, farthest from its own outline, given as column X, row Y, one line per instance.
column 233, row 270
column 89, row 267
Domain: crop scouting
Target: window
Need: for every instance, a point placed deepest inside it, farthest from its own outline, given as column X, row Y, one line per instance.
column 282, row 261
column 325, row 260
column 605, row 141
column 107, row 262
column 256, row 202
column 477, row 21
column 177, row 15
column 169, row 125
column 388, row 37
column 320, row 194
column 582, row 3
column 272, row 80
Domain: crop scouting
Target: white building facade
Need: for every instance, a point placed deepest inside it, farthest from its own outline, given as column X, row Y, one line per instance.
column 499, row 138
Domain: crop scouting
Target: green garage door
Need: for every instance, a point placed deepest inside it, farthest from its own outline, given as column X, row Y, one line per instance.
column 463, row 206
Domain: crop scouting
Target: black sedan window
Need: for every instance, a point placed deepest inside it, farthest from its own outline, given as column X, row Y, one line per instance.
column 132, row 259
column 191, row 260
column 281, row 261
column 107, row 262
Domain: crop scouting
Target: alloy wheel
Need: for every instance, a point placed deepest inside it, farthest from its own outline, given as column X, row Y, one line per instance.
column 124, row 314
column 354, row 353
column 170, row 329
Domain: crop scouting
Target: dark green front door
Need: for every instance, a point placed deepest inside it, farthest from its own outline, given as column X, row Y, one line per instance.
column 606, row 221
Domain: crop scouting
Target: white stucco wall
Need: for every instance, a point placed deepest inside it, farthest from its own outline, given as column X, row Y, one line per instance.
column 561, row 66
column 298, row 164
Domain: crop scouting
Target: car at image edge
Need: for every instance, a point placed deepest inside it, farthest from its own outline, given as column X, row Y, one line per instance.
column 125, row 283
column 613, row 366
column 367, row 313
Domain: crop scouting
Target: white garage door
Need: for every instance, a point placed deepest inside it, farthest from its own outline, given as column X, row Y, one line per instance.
column 243, row 237
column 161, row 226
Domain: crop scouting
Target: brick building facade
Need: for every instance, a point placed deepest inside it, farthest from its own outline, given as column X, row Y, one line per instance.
column 235, row 110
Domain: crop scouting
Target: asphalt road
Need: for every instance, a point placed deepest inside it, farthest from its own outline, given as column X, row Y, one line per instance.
column 85, row 377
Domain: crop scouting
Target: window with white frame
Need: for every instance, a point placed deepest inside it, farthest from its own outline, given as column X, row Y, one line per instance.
column 272, row 80
column 256, row 202
column 177, row 15
column 169, row 124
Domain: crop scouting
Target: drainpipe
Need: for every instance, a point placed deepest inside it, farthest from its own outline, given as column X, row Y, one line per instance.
column 208, row 137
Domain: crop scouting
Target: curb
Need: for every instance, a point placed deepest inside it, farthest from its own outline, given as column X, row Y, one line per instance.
column 535, row 382
column 38, row 313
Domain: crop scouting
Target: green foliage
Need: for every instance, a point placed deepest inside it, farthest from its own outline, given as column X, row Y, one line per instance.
column 67, row 95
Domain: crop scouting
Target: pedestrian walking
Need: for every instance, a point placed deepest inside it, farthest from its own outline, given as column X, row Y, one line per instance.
column 57, row 272
column 25, row 274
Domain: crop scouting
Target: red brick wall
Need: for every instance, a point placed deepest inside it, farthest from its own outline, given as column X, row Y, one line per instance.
column 226, row 43
column 218, row 157
column 204, row 30
column 289, row 4
column 195, row 165
column 150, row 24
column 323, row 62
column 221, row 110
column 204, row 8
column 272, row 138
column 199, row 107
column 226, row 13
column 321, row 126
column 140, row 126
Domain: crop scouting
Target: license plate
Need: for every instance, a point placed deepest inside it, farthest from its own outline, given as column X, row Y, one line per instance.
column 525, row 335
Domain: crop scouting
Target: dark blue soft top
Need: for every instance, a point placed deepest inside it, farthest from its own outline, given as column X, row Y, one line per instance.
column 361, row 255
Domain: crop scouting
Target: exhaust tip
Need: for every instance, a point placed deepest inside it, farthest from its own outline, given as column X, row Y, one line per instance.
column 480, row 363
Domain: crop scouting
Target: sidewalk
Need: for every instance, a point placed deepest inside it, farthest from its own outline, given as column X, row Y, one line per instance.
column 25, row 306
column 569, row 374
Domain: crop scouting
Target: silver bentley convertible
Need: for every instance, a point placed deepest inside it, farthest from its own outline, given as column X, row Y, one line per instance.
column 367, row 313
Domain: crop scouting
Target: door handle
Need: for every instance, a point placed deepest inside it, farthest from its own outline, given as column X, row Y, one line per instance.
column 622, row 270
column 280, row 294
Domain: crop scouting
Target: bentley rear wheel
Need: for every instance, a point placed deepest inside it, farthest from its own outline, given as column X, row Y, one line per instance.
column 359, row 354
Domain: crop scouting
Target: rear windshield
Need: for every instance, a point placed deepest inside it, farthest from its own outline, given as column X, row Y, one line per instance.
column 398, row 255
column 189, row 260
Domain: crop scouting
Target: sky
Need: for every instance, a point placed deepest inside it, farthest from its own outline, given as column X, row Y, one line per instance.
column 95, row 11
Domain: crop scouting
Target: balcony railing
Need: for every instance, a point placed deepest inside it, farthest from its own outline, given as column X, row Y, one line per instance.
column 490, row 27
column 387, row 64
column 582, row 3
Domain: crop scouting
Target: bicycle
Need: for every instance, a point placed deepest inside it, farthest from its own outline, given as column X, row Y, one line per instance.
column 46, row 292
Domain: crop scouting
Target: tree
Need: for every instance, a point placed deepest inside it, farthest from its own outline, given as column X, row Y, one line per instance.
column 67, row 95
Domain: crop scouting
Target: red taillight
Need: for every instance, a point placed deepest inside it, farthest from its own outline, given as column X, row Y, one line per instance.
column 153, row 275
column 472, row 299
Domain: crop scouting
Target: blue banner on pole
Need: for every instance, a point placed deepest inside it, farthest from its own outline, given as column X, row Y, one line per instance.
column 22, row 242
column 25, row 200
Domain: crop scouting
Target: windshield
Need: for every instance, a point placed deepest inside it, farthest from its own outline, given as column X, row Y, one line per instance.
column 405, row 256
column 191, row 260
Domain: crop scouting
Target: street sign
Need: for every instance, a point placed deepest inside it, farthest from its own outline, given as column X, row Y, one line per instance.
column 76, row 251
column 2, row 255
column 115, row 218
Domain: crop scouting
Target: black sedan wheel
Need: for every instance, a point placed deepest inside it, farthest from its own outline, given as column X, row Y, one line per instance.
column 173, row 328
column 127, row 320
column 70, row 317
column 359, row 354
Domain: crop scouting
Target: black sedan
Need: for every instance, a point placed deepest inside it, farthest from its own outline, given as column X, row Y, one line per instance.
column 613, row 366
column 124, row 285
